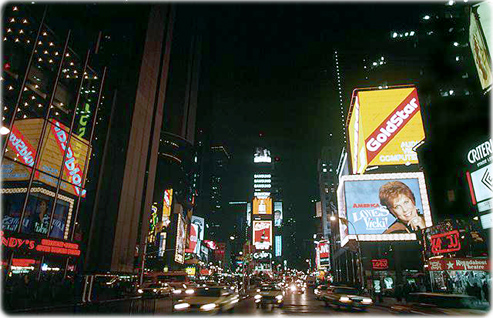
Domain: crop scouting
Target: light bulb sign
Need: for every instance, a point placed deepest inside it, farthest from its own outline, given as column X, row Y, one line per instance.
column 262, row 235
column 384, row 126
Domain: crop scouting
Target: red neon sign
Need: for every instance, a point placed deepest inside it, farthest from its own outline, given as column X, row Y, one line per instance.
column 445, row 242
column 380, row 263
column 44, row 246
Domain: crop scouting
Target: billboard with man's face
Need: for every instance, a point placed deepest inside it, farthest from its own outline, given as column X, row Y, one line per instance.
column 384, row 126
column 383, row 207
column 277, row 213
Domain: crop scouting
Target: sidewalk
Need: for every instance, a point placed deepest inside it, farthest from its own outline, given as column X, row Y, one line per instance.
column 387, row 302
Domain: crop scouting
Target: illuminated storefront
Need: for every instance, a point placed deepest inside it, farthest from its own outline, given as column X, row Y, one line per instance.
column 51, row 117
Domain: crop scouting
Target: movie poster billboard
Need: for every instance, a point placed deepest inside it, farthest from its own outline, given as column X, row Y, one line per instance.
column 262, row 206
column 480, row 24
column 38, row 210
column 277, row 214
column 262, row 235
column 180, row 240
column 199, row 223
column 384, row 126
column 383, row 207
column 167, row 200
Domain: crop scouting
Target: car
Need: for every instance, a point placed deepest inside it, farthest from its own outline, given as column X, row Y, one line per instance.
column 154, row 289
column 345, row 297
column 178, row 289
column 269, row 294
column 320, row 290
column 440, row 304
column 296, row 288
column 208, row 300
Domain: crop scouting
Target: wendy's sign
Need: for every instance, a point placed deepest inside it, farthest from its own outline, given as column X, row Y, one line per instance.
column 18, row 242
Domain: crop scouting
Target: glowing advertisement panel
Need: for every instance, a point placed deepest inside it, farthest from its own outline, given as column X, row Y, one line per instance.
column 278, row 240
column 323, row 251
column 384, row 126
column 479, row 49
column 382, row 207
column 180, row 240
column 22, row 145
column 277, row 214
column 262, row 235
column 262, row 206
column 249, row 214
column 261, row 155
column 167, row 200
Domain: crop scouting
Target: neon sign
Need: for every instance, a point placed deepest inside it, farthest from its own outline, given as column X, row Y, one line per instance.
column 380, row 263
column 445, row 242
column 40, row 245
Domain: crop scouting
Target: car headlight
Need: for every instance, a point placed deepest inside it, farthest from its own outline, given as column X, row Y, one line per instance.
column 279, row 297
column 344, row 299
column 182, row 306
column 154, row 290
column 208, row 307
column 257, row 296
column 140, row 291
column 177, row 291
column 293, row 288
column 190, row 291
column 258, row 290
column 367, row 301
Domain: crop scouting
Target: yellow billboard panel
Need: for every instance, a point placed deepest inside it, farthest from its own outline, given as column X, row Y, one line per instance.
column 262, row 206
column 384, row 126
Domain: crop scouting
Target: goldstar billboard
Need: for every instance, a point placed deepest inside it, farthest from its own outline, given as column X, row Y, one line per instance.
column 384, row 126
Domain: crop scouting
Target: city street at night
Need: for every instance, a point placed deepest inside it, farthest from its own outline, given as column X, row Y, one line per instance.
column 246, row 158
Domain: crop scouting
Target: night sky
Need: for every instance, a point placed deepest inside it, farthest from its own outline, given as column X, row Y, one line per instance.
column 271, row 71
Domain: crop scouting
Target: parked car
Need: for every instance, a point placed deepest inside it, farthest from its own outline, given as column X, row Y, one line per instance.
column 269, row 294
column 440, row 304
column 208, row 299
column 345, row 297
column 320, row 290
column 154, row 289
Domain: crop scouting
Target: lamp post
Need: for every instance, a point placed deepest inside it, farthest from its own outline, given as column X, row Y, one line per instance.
column 360, row 267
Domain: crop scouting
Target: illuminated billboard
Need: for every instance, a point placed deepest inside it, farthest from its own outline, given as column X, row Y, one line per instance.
column 262, row 206
column 262, row 235
column 22, row 145
column 480, row 24
column 180, row 240
column 249, row 214
column 382, row 207
column 167, row 200
column 278, row 240
column 277, row 213
column 479, row 177
column 261, row 155
column 384, row 126
column 323, row 252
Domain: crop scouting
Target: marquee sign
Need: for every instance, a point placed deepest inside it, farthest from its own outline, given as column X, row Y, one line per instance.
column 19, row 242
column 445, row 242
column 459, row 264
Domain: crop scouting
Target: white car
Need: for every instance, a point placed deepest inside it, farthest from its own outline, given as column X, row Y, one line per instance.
column 154, row 289
column 269, row 294
column 208, row 300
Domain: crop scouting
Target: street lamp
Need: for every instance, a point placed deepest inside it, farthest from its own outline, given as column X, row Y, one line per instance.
column 346, row 221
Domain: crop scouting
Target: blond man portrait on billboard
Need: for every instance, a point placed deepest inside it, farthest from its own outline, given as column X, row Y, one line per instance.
column 400, row 201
